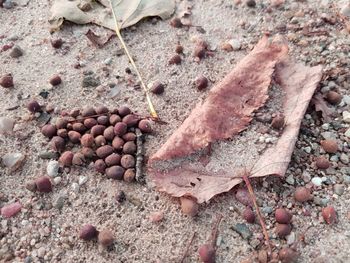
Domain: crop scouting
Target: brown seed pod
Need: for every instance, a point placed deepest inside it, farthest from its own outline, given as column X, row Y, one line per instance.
column 249, row 215
column 113, row 159
column 278, row 122
column 283, row 230
column 250, row 3
column 207, row 253
column 49, row 130
column 101, row 110
column 100, row 141
column 145, row 126
column 55, row 80
column 66, row 158
column 175, row 60
column 330, row 146
column 88, row 152
column 88, row 111
column 109, row 133
column 189, row 206
column 62, row 133
column 157, row 88
column 179, row 49
column 56, row 43
column 130, row 136
column 288, row 255
column 88, row 232
column 61, row 123
column 131, row 120
column 57, row 143
column 105, row 238
column 33, row 106
column 302, row 194
column 333, row 97
column 79, row 127
column 199, row 51
column 78, row 159
column 201, row 83
column 104, row 151
column 129, row 148
column 115, row 172
column 6, row 81
column 120, row 128
column 127, row 161
column 176, row 22
column 329, row 214
column 103, row 120
column 43, row 184
column 100, row 166
column 123, row 111
column 74, row 113
column 129, row 175
column 117, row 143
column 282, row 216
column 114, row 118
column 97, row 130
column 74, row 136
column 90, row 122
column 87, row 140
column 322, row 162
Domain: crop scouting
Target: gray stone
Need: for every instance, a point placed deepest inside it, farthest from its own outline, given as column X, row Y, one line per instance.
column 48, row 155
column 306, row 176
column 8, row 4
column 329, row 135
column 243, row 230
column 235, row 44
column 346, row 179
column 339, row 189
column 317, row 181
column 344, row 158
column 13, row 160
column 16, row 52
column 346, row 116
column 60, row 202
column 82, row 180
column 52, row 168
column 267, row 210
column 6, row 125
column 347, row 133
column 90, row 81
column 290, row 179
column 346, row 99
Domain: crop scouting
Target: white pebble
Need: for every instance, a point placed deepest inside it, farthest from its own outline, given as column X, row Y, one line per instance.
column 57, row 180
column 6, row 125
column 347, row 133
column 82, row 180
column 346, row 116
column 317, row 181
column 235, row 44
column 75, row 187
column 13, row 160
column 52, row 168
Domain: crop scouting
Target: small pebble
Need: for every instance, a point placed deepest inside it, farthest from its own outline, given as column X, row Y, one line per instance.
column 283, row 230
column 66, row 158
column 302, row 194
column 56, row 43
column 333, row 97
column 322, row 162
column 105, row 238
column 33, row 106
column 339, row 189
column 330, row 146
column 175, row 60
column 346, row 116
column 6, row 125
column 52, row 168
column 317, row 181
column 287, row 255
column 6, row 81
column 189, row 206
column 243, row 230
column 176, row 22
column 250, row 3
column 43, row 184
column 13, row 160
column 283, row 216
column 120, row 196
column 243, row 197
column 156, row 217
column 201, row 83
column 329, row 214
column 55, row 80
column 249, row 215
column 16, row 52
column 88, row 232
column 11, row 210
column 157, row 88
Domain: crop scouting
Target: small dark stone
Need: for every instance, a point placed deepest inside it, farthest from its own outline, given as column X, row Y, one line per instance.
column 44, row 94
column 127, row 70
column 251, row 3
column 176, row 22
column 201, row 83
column 88, row 232
column 157, row 88
column 176, row 59
column 33, row 106
column 56, row 43
column 120, row 196
column 179, row 49
column 55, row 80
column 16, row 52
column 6, row 81
column 43, row 184
column 90, row 81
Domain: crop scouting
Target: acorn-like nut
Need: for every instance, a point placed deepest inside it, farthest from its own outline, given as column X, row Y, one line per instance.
column 49, row 130
column 6, row 81
column 322, row 162
column 329, row 145
column 287, row 255
column 79, row 127
column 61, row 123
column 175, row 60
column 103, row 120
column 100, row 141
column 58, row 144
column 78, row 159
column 283, row 230
column 157, row 88
column 88, row 232
column 199, row 51
column 329, row 214
column 88, row 152
column 145, row 126
column 114, row 118
column 129, row 148
column 176, row 22
column 283, row 216
column 278, row 122
column 87, row 140
column 74, row 136
column 131, row 120
column 100, row 166
column 207, row 253
column 189, row 206
column 127, row 161
column 43, row 184
column 120, row 128
column 117, row 143
column 123, row 111
column 248, row 215
column 179, row 49
column 90, row 122
column 115, row 172
column 302, row 194
column 101, row 110
column 88, row 111
column 66, row 158
column 109, row 133
column 201, row 83
column 333, row 97
column 62, row 133
column 130, row 136
column 55, row 80
column 56, row 43
column 33, row 106
column 129, row 175
column 104, row 151
column 97, row 130
column 113, row 159
column 105, row 238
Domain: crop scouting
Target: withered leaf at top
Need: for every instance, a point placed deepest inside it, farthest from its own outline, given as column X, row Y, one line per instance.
column 227, row 110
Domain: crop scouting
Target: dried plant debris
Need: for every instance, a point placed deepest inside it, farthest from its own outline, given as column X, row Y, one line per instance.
column 99, row 12
column 176, row 167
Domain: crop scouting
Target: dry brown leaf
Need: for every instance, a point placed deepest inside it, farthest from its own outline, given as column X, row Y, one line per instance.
column 98, row 41
column 321, row 105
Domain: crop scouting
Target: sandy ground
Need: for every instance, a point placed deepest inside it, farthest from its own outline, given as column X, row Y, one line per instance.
column 43, row 233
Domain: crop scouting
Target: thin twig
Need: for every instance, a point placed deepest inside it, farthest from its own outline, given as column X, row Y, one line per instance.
column 215, row 230
column 187, row 249
column 262, row 223
column 139, row 156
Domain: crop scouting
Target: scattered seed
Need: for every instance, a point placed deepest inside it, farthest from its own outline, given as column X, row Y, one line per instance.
column 302, row 194
column 100, row 166
column 66, row 158
column 201, row 83
column 49, row 130
column 43, row 184
column 145, row 126
column 176, row 22
column 55, row 80
column 282, row 216
column 329, row 145
column 56, row 43
column 189, row 206
column 33, row 106
column 57, row 144
column 6, row 81
column 176, row 59
column 104, row 151
column 74, row 136
column 129, row 175
column 329, row 214
column 283, row 230
column 88, row 232
column 333, row 97
column 105, row 238
column 322, row 162
column 249, row 215
column 127, row 161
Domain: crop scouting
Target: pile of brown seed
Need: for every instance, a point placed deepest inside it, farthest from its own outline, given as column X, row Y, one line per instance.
column 108, row 138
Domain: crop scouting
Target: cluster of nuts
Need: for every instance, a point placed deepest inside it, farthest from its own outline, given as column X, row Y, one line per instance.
column 89, row 232
column 108, row 138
